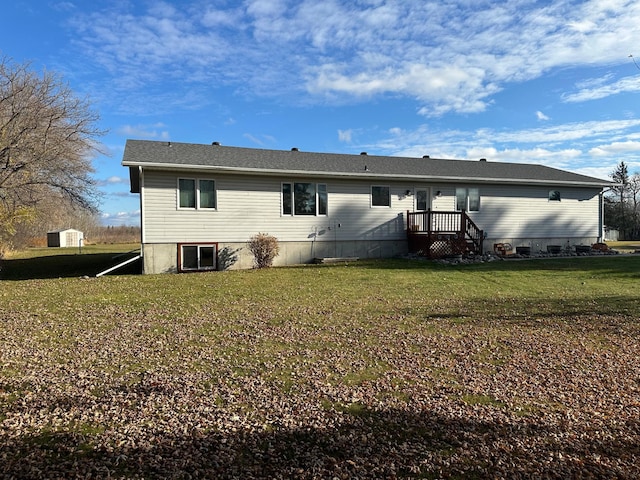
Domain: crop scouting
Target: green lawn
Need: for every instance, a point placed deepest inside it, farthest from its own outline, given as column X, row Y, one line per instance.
column 374, row 369
column 626, row 246
column 66, row 262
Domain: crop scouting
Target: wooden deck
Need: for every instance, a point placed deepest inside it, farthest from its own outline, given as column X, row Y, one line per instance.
column 442, row 234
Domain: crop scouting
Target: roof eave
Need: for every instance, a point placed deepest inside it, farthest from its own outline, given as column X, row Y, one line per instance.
column 365, row 174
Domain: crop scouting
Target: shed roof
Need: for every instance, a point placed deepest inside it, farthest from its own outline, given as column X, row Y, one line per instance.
column 65, row 230
column 189, row 156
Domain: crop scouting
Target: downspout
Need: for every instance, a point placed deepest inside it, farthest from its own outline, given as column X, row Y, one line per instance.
column 601, row 216
column 601, row 212
column 142, row 231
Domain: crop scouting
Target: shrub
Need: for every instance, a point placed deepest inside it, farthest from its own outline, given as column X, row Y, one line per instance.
column 264, row 248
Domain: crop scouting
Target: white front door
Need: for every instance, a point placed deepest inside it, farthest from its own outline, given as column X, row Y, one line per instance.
column 422, row 199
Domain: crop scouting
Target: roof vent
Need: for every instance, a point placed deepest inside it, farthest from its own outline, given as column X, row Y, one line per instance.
column 363, row 153
column 215, row 143
column 295, row 149
column 426, row 156
column 483, row 159
column 168, row 144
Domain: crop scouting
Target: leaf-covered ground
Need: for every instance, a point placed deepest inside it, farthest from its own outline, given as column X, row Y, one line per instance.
column 379, row 370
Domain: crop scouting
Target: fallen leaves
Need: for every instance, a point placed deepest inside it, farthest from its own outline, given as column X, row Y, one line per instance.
column 341, row 388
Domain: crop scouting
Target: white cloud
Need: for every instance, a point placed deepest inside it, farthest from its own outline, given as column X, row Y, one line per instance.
column 262, row 140
column 345, row 135
column 615, row 148
column 448, row 56
column 541, row 116
column 554, row 158
column 121, row 218
column 624, row 85
column 145, row 131
column 570, row 132
column 445, row 88
column 114, row 180
column 571, row 146
column 63, row 6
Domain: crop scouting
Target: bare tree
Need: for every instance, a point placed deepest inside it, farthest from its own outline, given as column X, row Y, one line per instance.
column 47, row 137
column 634, row 201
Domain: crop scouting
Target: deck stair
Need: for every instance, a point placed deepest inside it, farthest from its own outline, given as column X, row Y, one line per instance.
column 437, row 234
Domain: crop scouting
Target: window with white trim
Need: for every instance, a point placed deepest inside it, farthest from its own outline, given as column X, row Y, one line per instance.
column 197, row 256
column 380, row 196
column 304, row 198
column 468, row 199
column 197, row 194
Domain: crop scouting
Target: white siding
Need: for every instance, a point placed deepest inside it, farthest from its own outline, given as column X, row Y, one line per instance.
column 526, row 212
column 248, row 205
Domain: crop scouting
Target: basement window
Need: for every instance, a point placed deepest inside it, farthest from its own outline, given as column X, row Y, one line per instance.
column 197, row 257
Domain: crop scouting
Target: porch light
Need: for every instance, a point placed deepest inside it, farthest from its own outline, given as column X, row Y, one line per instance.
column 438, row 193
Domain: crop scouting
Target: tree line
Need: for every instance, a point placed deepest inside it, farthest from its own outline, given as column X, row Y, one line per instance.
column 48, row 137
column 622, row 203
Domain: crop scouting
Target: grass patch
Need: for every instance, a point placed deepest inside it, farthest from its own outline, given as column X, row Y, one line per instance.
column 486, row 400
column 90, row 260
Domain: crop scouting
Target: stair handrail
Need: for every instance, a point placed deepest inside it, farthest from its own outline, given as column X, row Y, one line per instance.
column 475, row 234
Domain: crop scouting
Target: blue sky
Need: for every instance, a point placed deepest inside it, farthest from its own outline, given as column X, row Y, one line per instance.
column 518, row 81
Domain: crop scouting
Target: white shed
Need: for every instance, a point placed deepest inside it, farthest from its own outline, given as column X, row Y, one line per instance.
column 65, row 238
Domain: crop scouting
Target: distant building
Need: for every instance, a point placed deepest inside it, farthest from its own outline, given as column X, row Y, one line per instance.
column 611, row 235
column 65, row 238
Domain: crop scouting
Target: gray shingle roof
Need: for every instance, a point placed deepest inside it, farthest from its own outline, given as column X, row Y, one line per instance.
column 183, row 156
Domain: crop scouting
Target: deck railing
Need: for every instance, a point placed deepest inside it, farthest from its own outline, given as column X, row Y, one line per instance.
column 438, row 234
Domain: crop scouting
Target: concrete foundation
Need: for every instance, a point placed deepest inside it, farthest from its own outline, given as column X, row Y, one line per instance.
column 163, row 258
column 160, row 258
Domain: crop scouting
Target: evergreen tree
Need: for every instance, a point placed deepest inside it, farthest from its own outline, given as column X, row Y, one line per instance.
column 619, row 216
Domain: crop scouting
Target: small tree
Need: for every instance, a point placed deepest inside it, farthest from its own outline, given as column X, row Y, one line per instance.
column 264, row 248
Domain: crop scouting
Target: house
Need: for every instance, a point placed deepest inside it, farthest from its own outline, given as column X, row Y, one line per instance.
column 65, row 238
column 200, row 204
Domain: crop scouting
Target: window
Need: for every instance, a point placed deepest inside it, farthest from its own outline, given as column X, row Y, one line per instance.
column 303, row 198
column 207, row 194
column 380, row 196
column 322, row 199
column 287, row 199
column 197, row 257
column 554, row 195
column 196, row 194
column 422, row 201
column 468, row 199
column 187, row 189
column 473, row 196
